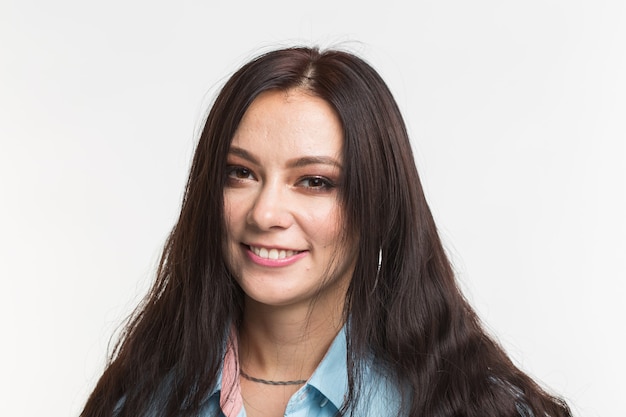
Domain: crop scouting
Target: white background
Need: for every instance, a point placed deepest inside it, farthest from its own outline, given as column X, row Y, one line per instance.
column 517, row 113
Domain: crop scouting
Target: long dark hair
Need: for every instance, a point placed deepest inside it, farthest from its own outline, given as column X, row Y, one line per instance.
column 407, row 313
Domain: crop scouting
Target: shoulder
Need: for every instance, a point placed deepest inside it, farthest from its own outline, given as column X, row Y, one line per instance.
column 376, row 394
column 379, row 394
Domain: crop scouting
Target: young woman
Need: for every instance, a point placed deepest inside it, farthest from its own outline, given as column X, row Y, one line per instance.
column 305, row 276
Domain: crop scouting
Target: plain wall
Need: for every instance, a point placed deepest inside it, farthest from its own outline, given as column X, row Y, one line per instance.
column 517, row 113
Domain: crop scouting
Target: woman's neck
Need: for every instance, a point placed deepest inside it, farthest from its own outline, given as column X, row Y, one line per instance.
column 285, row 343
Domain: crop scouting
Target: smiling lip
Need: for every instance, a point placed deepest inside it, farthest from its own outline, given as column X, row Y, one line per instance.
column 273, row 257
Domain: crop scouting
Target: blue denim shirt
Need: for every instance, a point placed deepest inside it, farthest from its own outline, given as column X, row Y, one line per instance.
column 324, row 392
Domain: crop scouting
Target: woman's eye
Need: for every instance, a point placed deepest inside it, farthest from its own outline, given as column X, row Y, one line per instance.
column 317, row 183
column 239, row 173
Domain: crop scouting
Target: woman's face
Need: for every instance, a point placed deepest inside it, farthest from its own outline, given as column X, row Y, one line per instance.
column 284, row 220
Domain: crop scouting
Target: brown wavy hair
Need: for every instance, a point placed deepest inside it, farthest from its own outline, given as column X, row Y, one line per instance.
column 408, row 314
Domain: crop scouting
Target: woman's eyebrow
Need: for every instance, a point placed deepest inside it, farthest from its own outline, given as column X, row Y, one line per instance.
column 295, row 163
column 243, row 154
column 313, row 160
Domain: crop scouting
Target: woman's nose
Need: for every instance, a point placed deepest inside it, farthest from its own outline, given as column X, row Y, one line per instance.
column 271, row 209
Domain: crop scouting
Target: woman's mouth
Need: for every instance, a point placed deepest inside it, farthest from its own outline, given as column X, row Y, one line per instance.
column 272, row 253
column 274, row 257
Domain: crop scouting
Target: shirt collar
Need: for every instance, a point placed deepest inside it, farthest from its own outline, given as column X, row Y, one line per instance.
column 230, row 401
column 331, row 376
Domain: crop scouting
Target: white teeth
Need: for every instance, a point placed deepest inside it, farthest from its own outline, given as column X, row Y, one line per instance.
column 272, row 253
